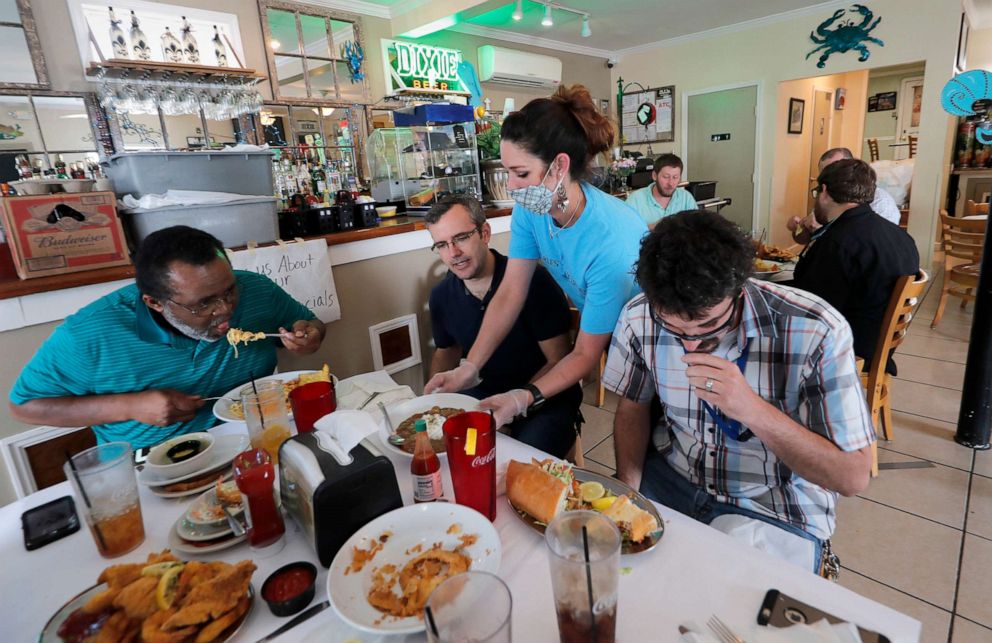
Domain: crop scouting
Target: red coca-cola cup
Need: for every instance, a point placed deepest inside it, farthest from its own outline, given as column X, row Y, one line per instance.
column 470, row 442
column 311, row 402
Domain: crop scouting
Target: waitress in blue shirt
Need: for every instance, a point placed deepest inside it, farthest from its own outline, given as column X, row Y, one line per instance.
column 587, row 239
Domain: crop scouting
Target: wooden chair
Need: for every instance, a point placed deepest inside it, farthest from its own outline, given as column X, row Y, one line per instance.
column 912, row 146
column 971, row 208
column 34, row 458
column 873, row 149
column 906, row 295
column 961, row 240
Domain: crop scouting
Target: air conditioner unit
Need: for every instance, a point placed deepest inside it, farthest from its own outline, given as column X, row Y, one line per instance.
column 520, row 68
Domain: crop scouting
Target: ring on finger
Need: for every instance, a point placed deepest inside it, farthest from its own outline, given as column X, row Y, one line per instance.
column 708, row 385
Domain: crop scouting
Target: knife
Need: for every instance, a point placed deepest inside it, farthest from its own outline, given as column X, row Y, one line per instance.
column 311, row 611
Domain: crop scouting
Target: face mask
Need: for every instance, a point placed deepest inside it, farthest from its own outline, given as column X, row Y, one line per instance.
column 536, row 198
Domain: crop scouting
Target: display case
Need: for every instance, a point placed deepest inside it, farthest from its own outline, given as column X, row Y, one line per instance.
column 419, row 165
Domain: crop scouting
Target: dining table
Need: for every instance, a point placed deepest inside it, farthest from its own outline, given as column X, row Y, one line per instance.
column 691, row 574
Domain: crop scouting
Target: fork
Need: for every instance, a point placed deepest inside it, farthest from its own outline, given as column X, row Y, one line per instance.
column 723, row 632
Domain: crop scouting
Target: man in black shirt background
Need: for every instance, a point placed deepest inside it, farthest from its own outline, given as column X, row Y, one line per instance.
column 856, row 258
column 537, row 340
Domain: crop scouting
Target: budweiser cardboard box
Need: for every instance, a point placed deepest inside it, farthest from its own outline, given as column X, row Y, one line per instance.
column 53, row 234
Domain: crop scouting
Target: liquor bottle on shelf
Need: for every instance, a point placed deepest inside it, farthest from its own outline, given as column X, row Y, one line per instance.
column 76, row 171
column 139, row 42
column 24, row 170
column 60, row 172
column 220, row 51
column 303, row 177
column 117, row 42
column 172, row 49
column 191, row 52
column 319, row 180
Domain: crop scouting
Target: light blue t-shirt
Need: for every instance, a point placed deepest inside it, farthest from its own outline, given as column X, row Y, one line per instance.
column 115, row 345
column 650, row 210
column 593, row 260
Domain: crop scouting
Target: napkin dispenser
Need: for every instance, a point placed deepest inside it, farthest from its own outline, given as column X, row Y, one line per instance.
column 331, row 501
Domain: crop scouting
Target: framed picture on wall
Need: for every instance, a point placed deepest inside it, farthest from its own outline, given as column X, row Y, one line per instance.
column 797, row 108
column 873, row 103
column 886, row 101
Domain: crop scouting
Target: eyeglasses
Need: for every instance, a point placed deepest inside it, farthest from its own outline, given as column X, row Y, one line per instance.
column 210, row 306
column 458, row 240
column 708, row 341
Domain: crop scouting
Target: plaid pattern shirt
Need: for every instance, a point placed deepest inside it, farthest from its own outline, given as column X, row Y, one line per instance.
column 801, row 361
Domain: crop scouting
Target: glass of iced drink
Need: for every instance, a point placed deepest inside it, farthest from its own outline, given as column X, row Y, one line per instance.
column 472, row 606
column 265, row 413
column 584, row 552
column 106, row 489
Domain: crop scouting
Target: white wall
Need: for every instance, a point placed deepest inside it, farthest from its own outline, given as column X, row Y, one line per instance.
column 922, row 30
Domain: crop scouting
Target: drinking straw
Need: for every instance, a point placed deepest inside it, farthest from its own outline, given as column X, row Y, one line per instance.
column 86, row 499
column 258, row 402
column 430, row 621
column 585, row 551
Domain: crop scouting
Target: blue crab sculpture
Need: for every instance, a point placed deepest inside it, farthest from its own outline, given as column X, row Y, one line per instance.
column 353, row 55
column 968, row 94
column 846, row 36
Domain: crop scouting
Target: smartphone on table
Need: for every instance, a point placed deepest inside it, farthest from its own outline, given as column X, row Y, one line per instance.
column 781, row 610
column 48, row 522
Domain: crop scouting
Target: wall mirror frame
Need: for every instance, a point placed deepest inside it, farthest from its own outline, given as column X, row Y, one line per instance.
column 314, row 54
column 37, row 57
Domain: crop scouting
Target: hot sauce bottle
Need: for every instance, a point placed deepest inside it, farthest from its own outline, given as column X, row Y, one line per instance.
column 425, row 467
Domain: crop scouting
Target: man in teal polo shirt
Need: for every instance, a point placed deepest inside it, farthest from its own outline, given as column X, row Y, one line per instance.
column 136, row 364
column 664, row 196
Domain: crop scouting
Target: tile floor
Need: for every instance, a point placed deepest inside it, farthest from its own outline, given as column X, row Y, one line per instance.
column 920, row 539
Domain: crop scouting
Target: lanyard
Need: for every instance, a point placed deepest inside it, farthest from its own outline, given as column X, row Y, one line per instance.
column 732, row 428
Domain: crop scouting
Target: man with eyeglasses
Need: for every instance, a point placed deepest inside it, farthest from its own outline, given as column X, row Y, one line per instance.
column 763, row 419
column 136, row 364
column 535, row 343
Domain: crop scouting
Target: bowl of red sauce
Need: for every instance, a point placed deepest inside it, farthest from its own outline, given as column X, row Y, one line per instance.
column 290, row 588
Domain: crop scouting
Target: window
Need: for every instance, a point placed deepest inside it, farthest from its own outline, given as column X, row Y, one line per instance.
column 20, row 50
column 307, row 53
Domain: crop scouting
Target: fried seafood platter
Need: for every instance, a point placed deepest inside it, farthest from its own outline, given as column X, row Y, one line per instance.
column 162, row 600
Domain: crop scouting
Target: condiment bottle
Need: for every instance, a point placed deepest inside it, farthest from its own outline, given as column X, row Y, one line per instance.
column 425, row 467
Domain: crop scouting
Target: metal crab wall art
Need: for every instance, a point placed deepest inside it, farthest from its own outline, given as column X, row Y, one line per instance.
column 845, row 36
column 353, row 55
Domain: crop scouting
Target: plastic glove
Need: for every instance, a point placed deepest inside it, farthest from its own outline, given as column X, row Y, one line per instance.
column 506, row 406
column 463, row 376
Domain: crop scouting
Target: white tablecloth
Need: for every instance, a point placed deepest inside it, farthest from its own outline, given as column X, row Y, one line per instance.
column 694, row 572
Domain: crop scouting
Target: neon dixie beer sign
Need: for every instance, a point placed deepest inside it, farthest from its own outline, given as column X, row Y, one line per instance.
column 419, row 66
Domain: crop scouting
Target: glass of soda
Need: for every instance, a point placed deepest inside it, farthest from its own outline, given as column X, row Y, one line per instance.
column 472, row 606
column 470, row 442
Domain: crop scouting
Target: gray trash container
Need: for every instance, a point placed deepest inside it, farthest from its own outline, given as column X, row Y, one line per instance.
column 141, row 173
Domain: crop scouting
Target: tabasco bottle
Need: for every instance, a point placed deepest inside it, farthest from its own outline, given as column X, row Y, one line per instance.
column 425, row 467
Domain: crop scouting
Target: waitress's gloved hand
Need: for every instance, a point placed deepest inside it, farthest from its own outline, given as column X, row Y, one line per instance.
column 463, row 376
column 506, row 406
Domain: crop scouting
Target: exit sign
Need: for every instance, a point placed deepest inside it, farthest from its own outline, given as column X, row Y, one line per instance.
column 714, row 138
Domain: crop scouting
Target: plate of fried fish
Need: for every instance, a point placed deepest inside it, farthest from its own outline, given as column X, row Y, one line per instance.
column 160, row 599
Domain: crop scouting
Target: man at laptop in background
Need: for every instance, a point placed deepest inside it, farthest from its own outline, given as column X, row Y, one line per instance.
column 664, row 196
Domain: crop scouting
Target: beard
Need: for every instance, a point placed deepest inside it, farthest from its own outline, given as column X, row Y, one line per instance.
column 667, row 194
column 820, row 213
column 187, row 330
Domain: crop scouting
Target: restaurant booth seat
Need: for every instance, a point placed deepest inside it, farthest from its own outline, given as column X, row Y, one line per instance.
column 34, row 458
column 961, row 241
column 906, row 296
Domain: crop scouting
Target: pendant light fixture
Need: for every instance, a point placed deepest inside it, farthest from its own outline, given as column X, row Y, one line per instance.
column 547, row 21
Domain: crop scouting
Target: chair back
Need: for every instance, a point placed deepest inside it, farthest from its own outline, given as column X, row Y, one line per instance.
column 873, row 149
column 912, row 146
column 961, row 239
column 906, row 295
column 971, row 208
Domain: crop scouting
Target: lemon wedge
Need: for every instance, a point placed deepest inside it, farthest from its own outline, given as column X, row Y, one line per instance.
column 165, row 593
column 470, row 437
column 604, row 503
column 158, row 569
column 591, row 490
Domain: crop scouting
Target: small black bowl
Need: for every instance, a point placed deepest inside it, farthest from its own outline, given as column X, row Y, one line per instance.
column 297, row 601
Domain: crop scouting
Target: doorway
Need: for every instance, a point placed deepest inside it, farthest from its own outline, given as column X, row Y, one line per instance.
column 719, row 134
column 908, row 123
column 820, row 138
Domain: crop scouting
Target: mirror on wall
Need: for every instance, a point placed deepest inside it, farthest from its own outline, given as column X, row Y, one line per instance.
column 20, row 50
column 38, row 130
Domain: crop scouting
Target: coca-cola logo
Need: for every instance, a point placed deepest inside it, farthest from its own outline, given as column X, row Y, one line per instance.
column 483, row 460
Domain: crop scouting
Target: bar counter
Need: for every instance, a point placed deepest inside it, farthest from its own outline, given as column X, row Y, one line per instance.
column 12, row 286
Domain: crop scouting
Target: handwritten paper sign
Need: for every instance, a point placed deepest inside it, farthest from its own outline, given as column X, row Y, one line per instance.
column 303, row 269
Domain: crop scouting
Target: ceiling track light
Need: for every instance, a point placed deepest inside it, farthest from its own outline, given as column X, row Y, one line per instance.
column 518, row 13
column 547, row 21
column 586, row 31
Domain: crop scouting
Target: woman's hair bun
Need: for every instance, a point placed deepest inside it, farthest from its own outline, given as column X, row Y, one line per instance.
column 600, row 132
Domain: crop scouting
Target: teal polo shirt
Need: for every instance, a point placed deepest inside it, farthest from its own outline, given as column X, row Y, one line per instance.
column 119, row 345
column 650, row 211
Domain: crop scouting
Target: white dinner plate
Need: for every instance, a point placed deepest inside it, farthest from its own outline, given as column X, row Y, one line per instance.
column 195, row 533
column 225, row 448
column 222, row 407
column 223, row 471
column 765, row 276
column 180, row 544
column 206, row 510
column 403, row 410
column 423, row 525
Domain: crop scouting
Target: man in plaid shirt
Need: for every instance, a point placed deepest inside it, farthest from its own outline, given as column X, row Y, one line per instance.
column 763, row 417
